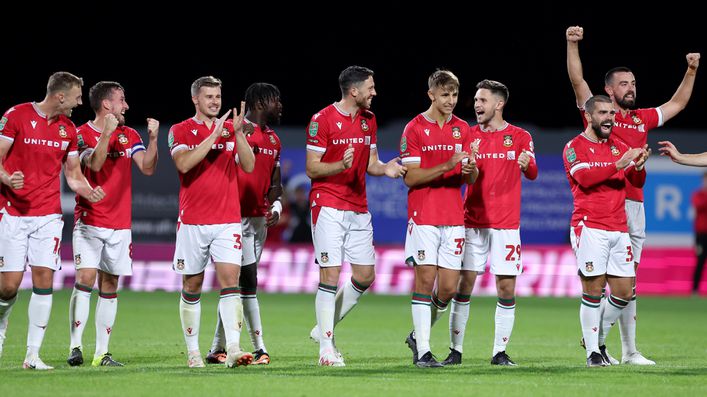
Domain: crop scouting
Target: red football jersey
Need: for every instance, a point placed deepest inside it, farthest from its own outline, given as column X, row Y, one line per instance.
column 115, row 177
column 38, row 151
column 207, row 192
column 493, row 201
column 601, row 205
column 254, row 187
column 439, row 202
column 633, row 129
column 330, row 132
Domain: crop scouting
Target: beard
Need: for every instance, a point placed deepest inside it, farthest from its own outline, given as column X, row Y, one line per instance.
column 629, row 104
column 596, row 126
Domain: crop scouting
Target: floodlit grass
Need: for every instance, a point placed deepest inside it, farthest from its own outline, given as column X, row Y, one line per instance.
column 545, row 343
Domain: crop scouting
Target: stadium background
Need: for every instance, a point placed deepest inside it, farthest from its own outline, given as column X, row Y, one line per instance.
column 156, row 59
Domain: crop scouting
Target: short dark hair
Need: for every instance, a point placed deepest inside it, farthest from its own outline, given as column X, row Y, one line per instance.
column 63, row 81
column 609, row 77
column 206, row 81
column 100, row 91
column 495, row 87
column 442, row 78
column 590, row 105
column 260, row 94
column 351, row 76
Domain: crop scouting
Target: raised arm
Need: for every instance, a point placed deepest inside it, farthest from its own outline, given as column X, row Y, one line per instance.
column 97, row 158
column 147, row 161
column 574, row 65
column 246, row 158
column 682, row 95
column 696, row 160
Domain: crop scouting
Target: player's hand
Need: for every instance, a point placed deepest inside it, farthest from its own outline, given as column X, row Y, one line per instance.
column 153, row 128
column 271, row 217
column 111, row 124
column 96, row 195
column 628, row 157
column 348, row 157
column 468, row 166
column 668, row 149
column 219, row 124
column 693, row 60
column 394, row 169
column 575, row 33
column 524, row 160
column 16, row 180
column 642, row 158
column 238, row 119
column 456, row 158
column 248, row 129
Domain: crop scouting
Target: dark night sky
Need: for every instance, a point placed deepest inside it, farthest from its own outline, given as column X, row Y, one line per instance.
column 157, row 57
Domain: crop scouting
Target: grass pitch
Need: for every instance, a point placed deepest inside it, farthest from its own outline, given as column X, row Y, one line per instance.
column 147, row 338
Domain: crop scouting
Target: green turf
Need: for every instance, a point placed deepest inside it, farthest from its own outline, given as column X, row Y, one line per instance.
column 148, row 339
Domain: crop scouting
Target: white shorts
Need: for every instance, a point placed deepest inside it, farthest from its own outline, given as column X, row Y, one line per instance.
column 504, row 246
column 602, row 252
column 340, row 235
column 636, row 215
column 196, row 244
column 33, row 240
column 254, row 234
column 435, row 245
column 109, row 250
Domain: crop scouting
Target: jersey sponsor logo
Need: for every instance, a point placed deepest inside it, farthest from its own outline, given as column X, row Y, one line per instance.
column 34, row 124
column 640, row 127
column 511, row 155
column 491, row 155
column 457, row 148
column 364, row 125
column 345, row 141
column 589, row 266
column 45, row 142
column 403, row 144
column 367, row 140
column 126, row 153
column 122, row 139
column 421, row 255
column 599, row 163
column 3, row 121
column 430, row 148
column 62, row 131
column 614, row 150
column 216, row 146
column 456, row 133
column 571, row 155
column 266, row 151
column 508, row 140
column 180, row 265
column 314, row 127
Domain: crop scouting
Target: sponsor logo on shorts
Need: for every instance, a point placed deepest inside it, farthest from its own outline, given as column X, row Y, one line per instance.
column 589, row 266
column 324, row 257
column 180, row 264
column 2, row 261
column 421, row 255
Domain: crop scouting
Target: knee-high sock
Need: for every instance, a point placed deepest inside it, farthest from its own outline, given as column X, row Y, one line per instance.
column 106, row 309
column 40, row 307
column 219, row 341
column 627, row 326
column 231, row 311
column 612, row 311
column 437, row 309
column 5, row 310
column 505, row 317
column 324, row 304
column 190, row 314
column 589, row 319
column 347, row 298
column 251, row 313
column 422, row 320
column 79, row 306
column 458, row 318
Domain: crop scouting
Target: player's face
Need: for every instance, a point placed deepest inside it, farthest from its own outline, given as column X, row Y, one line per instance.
column 208, row 101
column 69, row 100
column 623, row 90
column 118, row 105
column 273, row 111
column 602, row 119
column 485, row 105
column 444, row 99
column 364, row 92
